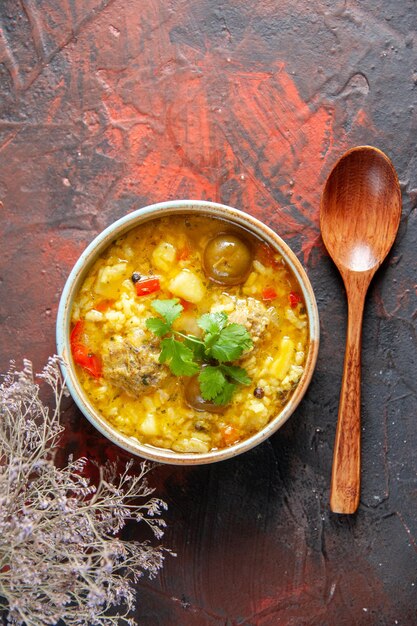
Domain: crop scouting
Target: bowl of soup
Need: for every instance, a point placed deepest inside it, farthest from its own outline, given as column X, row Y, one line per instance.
column 188, row 331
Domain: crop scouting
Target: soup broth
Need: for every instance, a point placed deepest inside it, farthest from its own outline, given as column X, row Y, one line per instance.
column 206, row 266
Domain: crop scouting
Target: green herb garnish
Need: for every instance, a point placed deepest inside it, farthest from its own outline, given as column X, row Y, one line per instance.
column 211, row 356
column 176, row 354
column 169, row 310
column 178, row 357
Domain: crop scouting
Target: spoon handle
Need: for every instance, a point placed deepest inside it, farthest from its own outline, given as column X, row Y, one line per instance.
column 345, row 485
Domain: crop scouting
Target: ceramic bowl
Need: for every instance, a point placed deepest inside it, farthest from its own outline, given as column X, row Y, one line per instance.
column 97, row 247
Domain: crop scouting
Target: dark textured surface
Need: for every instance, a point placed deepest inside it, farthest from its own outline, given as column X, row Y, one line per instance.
column 106, row 106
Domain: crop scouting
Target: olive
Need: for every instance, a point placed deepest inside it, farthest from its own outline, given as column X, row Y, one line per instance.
column 195, row 400
column 136, row 277
column 227, row 259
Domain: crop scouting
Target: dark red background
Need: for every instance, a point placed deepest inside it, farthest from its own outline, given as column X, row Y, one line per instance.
column 106, row 106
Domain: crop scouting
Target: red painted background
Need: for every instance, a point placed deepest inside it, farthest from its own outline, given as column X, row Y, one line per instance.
column 106, row 106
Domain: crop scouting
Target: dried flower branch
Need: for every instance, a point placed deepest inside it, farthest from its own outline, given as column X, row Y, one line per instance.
column 60, row 557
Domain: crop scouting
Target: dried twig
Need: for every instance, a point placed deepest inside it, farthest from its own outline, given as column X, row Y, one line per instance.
column 60, row 557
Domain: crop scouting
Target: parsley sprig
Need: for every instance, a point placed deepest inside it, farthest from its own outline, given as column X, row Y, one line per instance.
column 210, row 356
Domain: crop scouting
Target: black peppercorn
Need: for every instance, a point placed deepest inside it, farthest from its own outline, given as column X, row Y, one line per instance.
column 259, row 392
column 136, row 277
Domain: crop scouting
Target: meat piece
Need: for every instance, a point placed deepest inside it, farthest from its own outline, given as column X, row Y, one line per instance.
column 135, row 369
column 253, row 315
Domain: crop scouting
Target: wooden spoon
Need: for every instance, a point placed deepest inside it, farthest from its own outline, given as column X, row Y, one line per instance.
column 359, row 218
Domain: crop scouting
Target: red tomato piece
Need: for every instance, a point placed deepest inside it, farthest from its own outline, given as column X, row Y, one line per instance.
column 269, row 294
column 90, row 362
column 103, row 305
column 294, row 299
column 185, row 304
column 230, row 435
column 77, row 332
column 94, row 366
column 147, row 286
column 183, row 253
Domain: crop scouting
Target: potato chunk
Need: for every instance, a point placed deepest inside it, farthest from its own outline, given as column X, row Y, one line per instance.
column 164, row 256
column 280, row 366
column 188, row 286
column 149, row 425
column 109, row 279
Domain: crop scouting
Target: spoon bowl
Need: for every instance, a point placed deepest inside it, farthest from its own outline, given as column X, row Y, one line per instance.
column 360, row 210
column 359, row 218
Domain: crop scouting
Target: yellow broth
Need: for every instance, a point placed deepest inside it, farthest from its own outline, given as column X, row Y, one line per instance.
column 108, row 314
